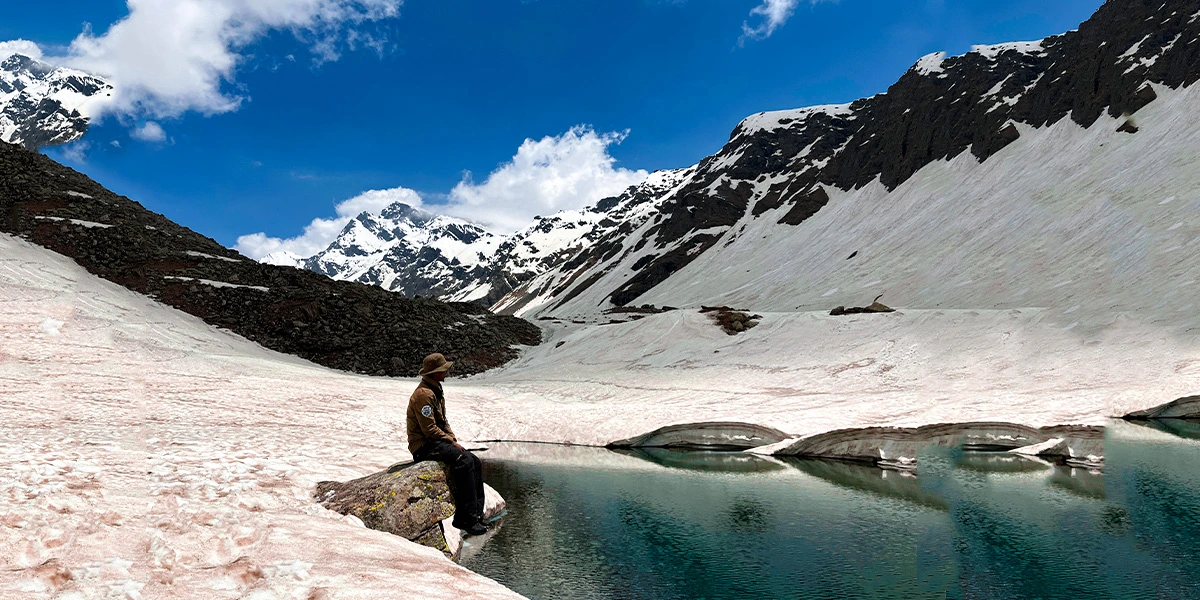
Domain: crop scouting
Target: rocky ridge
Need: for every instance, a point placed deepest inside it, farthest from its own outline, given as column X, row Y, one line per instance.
column 42, row 105
column 342, row 325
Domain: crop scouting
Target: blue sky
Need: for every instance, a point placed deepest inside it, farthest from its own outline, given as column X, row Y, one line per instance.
column 413, row 100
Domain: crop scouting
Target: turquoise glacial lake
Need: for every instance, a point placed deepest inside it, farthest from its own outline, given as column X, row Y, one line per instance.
column 588, row 523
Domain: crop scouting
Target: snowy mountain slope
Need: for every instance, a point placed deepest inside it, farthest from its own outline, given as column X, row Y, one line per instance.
column 41, row 105
column 780, row 169
column 571, row 238
column 338, row 324
column 1085, row 222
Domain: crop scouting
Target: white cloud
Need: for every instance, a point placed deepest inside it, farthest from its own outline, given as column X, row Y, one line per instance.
column 150, row 132
column 322, row 231
column 555, row 173
column 76, row 151
column 168, row 57
column 25, row 47
column 774, row 14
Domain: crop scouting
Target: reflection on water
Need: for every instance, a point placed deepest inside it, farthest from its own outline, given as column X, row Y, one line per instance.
column 999, row 462
column 991, row 526
column 702, row 460
column 867, row 478
column 1180, row 427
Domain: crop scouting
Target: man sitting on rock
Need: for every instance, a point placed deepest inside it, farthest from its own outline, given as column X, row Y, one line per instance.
column 430, row 438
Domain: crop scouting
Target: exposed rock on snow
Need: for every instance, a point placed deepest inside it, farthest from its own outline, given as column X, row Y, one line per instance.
column 705, row 435
column 874, row 307
column 408, row 250
column 732, row 321
column 343, row 325
column 411, row 500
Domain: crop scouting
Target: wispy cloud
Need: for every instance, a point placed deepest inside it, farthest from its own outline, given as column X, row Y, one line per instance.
column 76, row 152
column 149, row 132
column 771, row 15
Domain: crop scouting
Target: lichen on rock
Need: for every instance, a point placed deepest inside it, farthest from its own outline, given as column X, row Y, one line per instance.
column 408, row 500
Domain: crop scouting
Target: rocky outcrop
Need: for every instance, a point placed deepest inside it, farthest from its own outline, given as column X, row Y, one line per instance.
column 898, row 447
column 343, row 325
column 411, row 500
column 726, row 435
column 731, row 321
column 874, row 307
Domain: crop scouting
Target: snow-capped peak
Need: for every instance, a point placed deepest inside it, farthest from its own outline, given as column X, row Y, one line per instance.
column 770, row 121
column 283, row 258
column 42, row 105
column 930, row 63
column 992, row 51
column 407, row 249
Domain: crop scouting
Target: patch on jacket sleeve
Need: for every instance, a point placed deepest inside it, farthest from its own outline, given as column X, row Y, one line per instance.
column 427, row 411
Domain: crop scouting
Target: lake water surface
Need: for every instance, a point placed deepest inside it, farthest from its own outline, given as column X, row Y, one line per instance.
column 588, row 523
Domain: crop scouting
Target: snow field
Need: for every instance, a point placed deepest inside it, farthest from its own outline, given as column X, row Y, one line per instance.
column 154, row 457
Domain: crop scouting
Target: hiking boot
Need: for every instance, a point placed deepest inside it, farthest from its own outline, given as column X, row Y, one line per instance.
column 475, row 528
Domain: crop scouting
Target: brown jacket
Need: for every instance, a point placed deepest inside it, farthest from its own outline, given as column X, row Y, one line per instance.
column 427, row 416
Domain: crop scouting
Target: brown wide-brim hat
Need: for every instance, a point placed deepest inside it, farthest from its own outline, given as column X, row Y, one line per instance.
column 435, row 363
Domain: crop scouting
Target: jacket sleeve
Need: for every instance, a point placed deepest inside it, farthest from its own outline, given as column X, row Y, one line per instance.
column 421, row 407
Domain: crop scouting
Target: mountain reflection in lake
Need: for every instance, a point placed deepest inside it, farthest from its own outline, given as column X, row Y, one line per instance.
column 592, row 524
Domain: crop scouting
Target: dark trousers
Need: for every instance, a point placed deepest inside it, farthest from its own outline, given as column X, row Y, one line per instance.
column 466, row 479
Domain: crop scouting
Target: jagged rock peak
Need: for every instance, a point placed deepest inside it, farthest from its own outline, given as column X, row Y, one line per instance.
column 403, row 211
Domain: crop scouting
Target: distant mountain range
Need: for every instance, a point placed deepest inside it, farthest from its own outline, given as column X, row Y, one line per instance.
column 414, row 252
column 42, row 105
column 696, row 235
column 339, row 324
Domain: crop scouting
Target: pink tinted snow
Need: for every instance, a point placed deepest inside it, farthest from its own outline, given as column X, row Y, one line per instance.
column 149, row 456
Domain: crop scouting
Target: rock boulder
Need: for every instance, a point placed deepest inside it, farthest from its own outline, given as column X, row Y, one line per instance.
column 411, row 500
